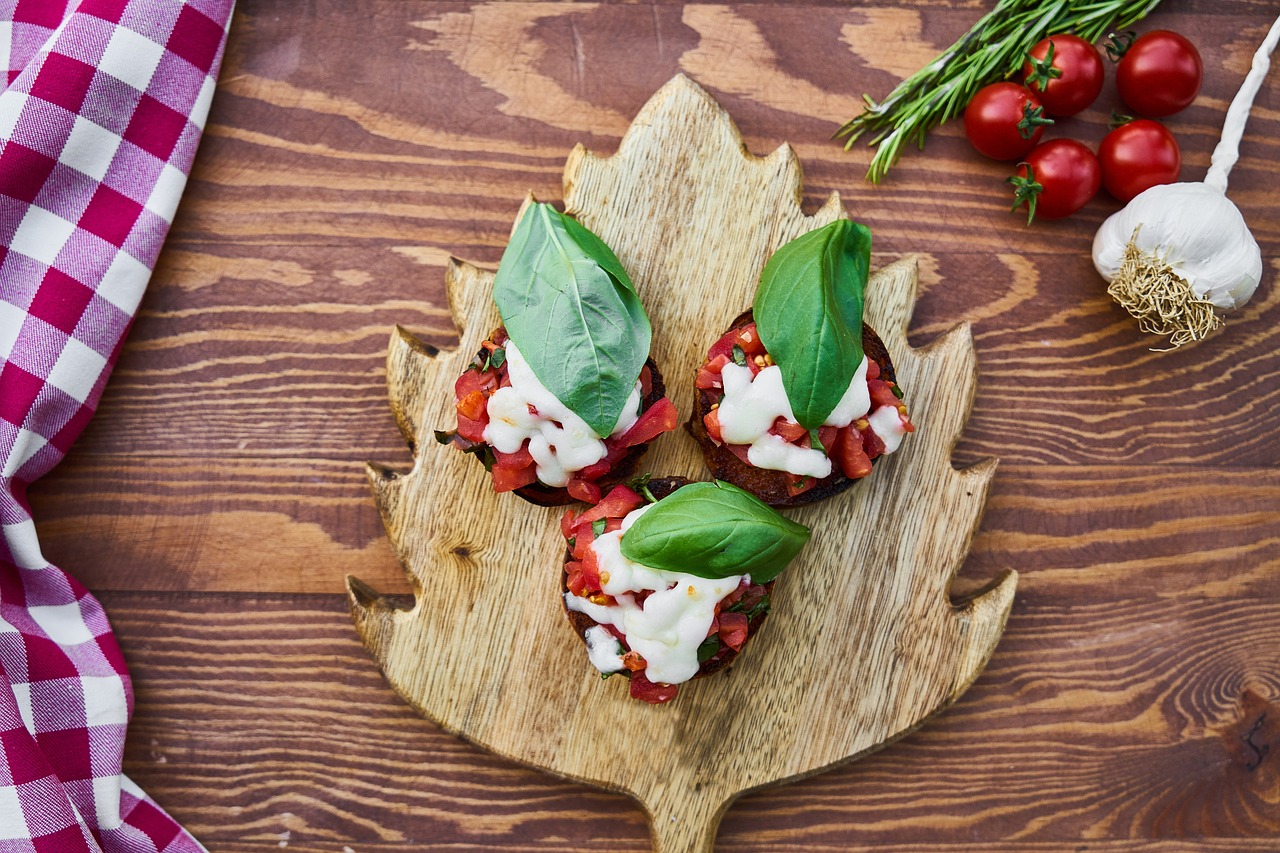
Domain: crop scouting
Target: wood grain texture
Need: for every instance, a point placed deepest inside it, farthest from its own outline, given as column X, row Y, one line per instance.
column 244, row 746
column 354, row 146
column 693, row 217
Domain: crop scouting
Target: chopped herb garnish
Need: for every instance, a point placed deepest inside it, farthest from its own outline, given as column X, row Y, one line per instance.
column 739, row 357
column 573, row 542
column 760, row 608
column 445, row 436
column 897, row 392
column 597, row 526
column 815, row 442
column 484, row 453
column 641, row 485
column 708, row 649
column 498, row 358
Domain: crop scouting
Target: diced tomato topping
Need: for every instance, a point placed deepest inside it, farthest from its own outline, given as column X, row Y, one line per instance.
column 882, row 394
column 634, row 661
column 576, row 581
column 740, row 451
column 613, row 452
column 747, row 337
column 709, row 373
column 510, row 479
column 711, row 420
column 620, row 501
column 850, row 455
column 871, row 443
column 472, row 406
column 789, row 430
column 752, row 597
column 732, row 598
column 799, row 485
column 472, row 431
column 708, row 381
column 582, row 539
column 520, row 459
column 582, row 489
column 659, row 418
column 749, row 340
column 646, row 381
column 646, row 691
column 723, row 347
column 827, row 435
column 475, row 380
column 873, row 369
column 591, row 568
column 733, row 629
column 595, row 471
column 566, row 524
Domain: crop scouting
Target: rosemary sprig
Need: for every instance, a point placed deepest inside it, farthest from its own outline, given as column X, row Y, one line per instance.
column 994, row 48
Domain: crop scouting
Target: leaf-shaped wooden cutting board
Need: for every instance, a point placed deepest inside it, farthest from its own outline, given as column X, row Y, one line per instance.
column 863, row 643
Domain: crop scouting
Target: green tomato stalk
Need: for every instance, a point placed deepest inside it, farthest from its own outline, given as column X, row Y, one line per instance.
column 994, row 48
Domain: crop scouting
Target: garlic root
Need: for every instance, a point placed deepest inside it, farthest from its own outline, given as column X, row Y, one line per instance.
column 1161, row 300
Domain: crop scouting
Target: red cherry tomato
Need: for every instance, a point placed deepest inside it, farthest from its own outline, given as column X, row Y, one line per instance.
column 1159, row 74
column 1137, row 156
column 1065, row 73
column 1004, row 121
column 1056, row 179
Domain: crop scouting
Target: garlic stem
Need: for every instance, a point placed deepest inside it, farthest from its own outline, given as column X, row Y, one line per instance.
column 1228, row 149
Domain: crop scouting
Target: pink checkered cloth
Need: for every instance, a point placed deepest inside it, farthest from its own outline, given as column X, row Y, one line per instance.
column 99, row 121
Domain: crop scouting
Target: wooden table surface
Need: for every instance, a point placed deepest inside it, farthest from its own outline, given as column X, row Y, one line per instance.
column 219, row 497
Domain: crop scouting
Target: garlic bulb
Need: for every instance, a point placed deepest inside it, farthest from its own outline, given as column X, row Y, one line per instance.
column 1177, row 252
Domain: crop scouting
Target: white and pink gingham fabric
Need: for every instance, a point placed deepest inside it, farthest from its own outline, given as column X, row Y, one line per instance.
column 99, row 121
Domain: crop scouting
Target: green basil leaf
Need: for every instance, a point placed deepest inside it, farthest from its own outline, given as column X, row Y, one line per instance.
column 498, row 358
column 571, row 309
column 714, row 530
column 808, row 310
